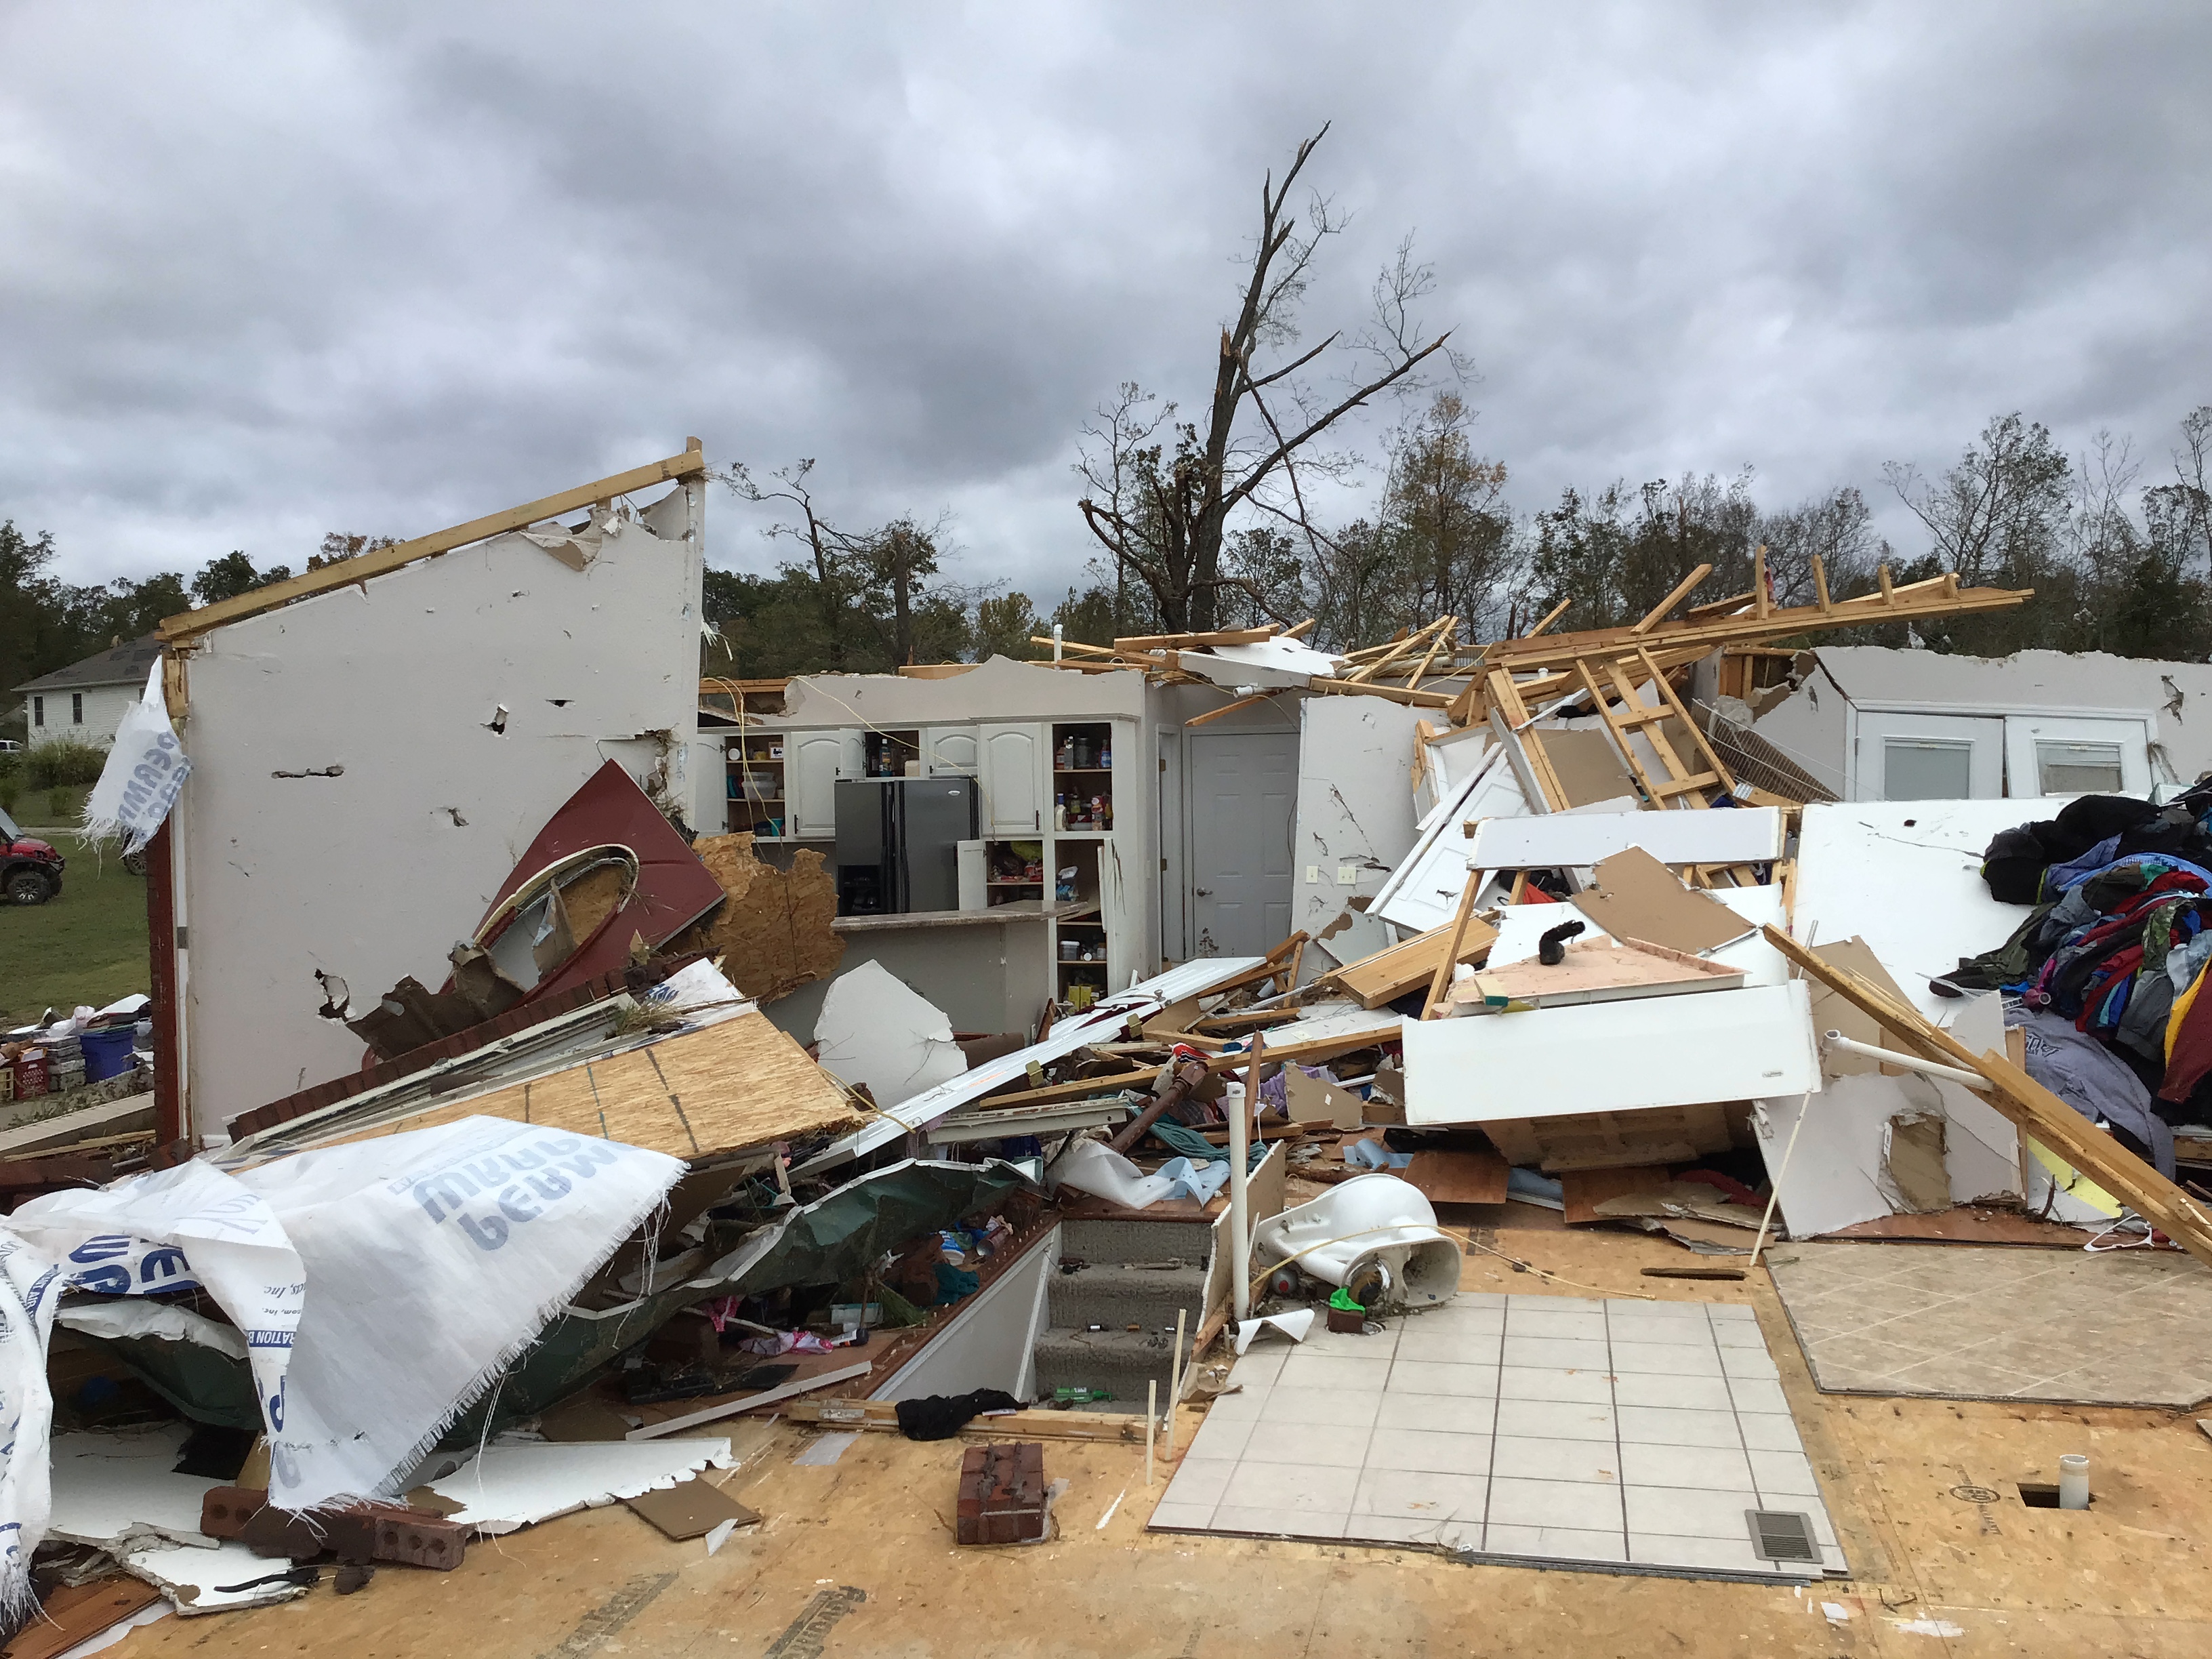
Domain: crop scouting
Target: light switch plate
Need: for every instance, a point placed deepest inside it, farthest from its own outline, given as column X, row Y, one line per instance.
column 1347, row 875
column 1313, row 875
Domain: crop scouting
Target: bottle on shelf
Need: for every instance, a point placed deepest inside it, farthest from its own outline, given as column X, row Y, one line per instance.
column 1059, row 811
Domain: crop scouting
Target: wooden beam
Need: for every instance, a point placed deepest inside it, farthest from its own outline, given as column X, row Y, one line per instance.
column 1888, row 592
column 1184, row 641
column 2025, row 1102
column 1081, row 1089
column 1762, row 601
column 1550, row 617
column 1682, row 590
column 1441, row 983
column 363, row 567
column 1390, row 693
column 1303, row 628
column 1820, row 585
column 1230, row 708
column 1445, row 626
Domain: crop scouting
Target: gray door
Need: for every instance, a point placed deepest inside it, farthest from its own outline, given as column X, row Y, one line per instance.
column 1244, row 790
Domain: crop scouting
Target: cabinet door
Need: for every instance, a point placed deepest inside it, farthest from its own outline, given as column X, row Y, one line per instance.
column 950, row 751
column 1014, row 779
column 811, row 766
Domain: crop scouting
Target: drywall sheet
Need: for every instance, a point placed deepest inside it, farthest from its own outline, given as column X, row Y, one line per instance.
column 504, row 1487
column 989, row 1343
column 1906, row 877
column 1570, row 839
column 1632, row 895
column 368, row 763
column 1355, row 812
column 1611, row 1056
column 1587, row 764
column 875, row 1031
column 1522, row 926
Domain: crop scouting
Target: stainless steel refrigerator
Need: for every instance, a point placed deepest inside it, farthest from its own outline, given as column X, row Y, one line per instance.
column 898, row 843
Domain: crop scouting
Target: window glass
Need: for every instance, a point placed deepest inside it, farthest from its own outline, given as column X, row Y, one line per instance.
column 1926, row 769
column 2077, row 769
column 38, row 711
column 77, row 708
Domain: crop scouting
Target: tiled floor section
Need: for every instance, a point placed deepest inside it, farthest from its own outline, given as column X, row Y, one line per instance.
column 1629, row 1435
column 2130, row 1328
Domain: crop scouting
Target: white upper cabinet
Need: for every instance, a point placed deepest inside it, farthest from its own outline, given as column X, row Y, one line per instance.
column 951, row 751
column 813, row 763
column 1013, row 779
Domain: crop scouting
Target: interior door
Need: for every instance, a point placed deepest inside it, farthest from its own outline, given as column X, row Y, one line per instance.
column 1907, row 756
column 1013, row 779
column 1243, row 788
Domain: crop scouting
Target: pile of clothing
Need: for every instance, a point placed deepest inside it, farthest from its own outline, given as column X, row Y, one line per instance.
column 2110, row 962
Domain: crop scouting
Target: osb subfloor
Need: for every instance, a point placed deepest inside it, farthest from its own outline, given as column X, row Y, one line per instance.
column 2127, row 1578
column 2130, row 1328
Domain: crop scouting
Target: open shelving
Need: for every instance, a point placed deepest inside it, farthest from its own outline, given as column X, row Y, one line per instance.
column 1083, row 777
column 754, row 766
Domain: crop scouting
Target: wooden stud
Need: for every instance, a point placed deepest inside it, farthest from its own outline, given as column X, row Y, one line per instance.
column 1230, row 708
column 1682, row 590
column 1820, row 585
column 1762, row 599
column 1888, row 591
column 1441, row 984
column 1298, row 629
column 1550, row 617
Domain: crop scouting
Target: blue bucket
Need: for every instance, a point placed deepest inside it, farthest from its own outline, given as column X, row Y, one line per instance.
column 107, row 1054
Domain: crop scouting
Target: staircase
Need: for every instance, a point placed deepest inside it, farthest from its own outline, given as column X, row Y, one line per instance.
column 1113, row 1290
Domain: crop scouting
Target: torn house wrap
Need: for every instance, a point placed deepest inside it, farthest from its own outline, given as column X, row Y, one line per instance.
column 381, row 1286
column 145, row 771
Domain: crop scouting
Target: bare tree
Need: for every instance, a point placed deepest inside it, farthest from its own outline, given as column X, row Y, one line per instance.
column 1160, row 493
column 830, row 548
column 1999, row 513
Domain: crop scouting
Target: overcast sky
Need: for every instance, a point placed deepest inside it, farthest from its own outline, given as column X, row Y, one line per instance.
column 270, row 270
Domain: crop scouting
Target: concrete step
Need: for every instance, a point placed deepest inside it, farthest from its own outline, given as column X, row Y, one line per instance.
column 1115, row 1296
column 1121, row 1361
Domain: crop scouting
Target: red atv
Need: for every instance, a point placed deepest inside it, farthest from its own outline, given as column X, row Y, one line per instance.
column 30, row 871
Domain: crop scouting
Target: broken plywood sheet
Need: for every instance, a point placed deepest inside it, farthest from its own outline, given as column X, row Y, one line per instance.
column 1586, row 765
column 1833, row 1012
column 876, row 1029
column 724, row 1087
column 1455, row 1176
column 1592, row 970
column 773, row 931
column 1391, row 973
column 505, row 1488
column 1572, row 840
column 1633, row 896
column 1611, row 1056
column 1313, row 1099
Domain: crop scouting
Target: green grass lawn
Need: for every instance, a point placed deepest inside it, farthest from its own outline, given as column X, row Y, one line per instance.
column 87, row 946
column 59, row 808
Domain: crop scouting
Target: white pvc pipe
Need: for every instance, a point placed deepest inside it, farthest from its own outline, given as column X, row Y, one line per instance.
column 2074, row 1481
column 1240, row 1233
column 1837, row 1041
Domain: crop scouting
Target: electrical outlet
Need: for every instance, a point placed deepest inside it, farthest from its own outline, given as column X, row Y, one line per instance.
column 1313, row 875
column 1347, row 875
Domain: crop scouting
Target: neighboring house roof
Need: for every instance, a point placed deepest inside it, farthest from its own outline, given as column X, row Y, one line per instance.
column 122, row 664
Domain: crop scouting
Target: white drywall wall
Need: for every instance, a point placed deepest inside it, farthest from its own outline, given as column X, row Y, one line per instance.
column 1355, row 807
column 1812, row 727
column 374, row 873
column 989, row 1343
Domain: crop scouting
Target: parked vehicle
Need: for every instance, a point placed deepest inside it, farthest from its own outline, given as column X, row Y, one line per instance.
column 30, row 870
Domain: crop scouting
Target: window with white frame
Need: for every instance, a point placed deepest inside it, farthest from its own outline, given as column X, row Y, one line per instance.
column 1926, row 769
column 2077, row 769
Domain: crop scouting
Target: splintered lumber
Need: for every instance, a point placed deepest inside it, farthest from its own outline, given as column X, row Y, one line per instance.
column 344, row 572
column 2025, row 1102
column 1936, row 597
column 1388, row 974
column 883, row 1415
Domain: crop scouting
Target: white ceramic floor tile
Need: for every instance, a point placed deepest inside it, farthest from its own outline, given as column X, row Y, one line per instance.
column 1702, row 1394
column 1442, row 1376
column 1222, row 1438
column 1524, row 1321
column 1582, row 1505
column 1323, row 1448
column 1421, row 1493
column 1554, row 1543
column 1515, row 1458
column 1660, row 1426
column 1422, row 1449
column 1692, row 1311
column 1461, row 1348
column 1408, row 1529
column 1737, row 1335
column 1547, row 1419
column 1328, row 1370
column 1194, row 1517
column 1683, row 1512
column 1748, row 1363
column 1753, row 1395
column 1261, row 1365
column 1712, row 1469
column 1710, row 1554
column 1556, row 1353
column 1269, row 1522
column 1783, row 1474
column 1356, row 1344
column 1442, row 1413
column 1296, row 1487
column 1351, row 1408
column 1456, row 1316
column 1538, row 1383
column 1249, row 1401
column 1667, row 1358
column 1558, row 1303
column 1721, row 1312
column 1200, row 1481
column 1773, row 1431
